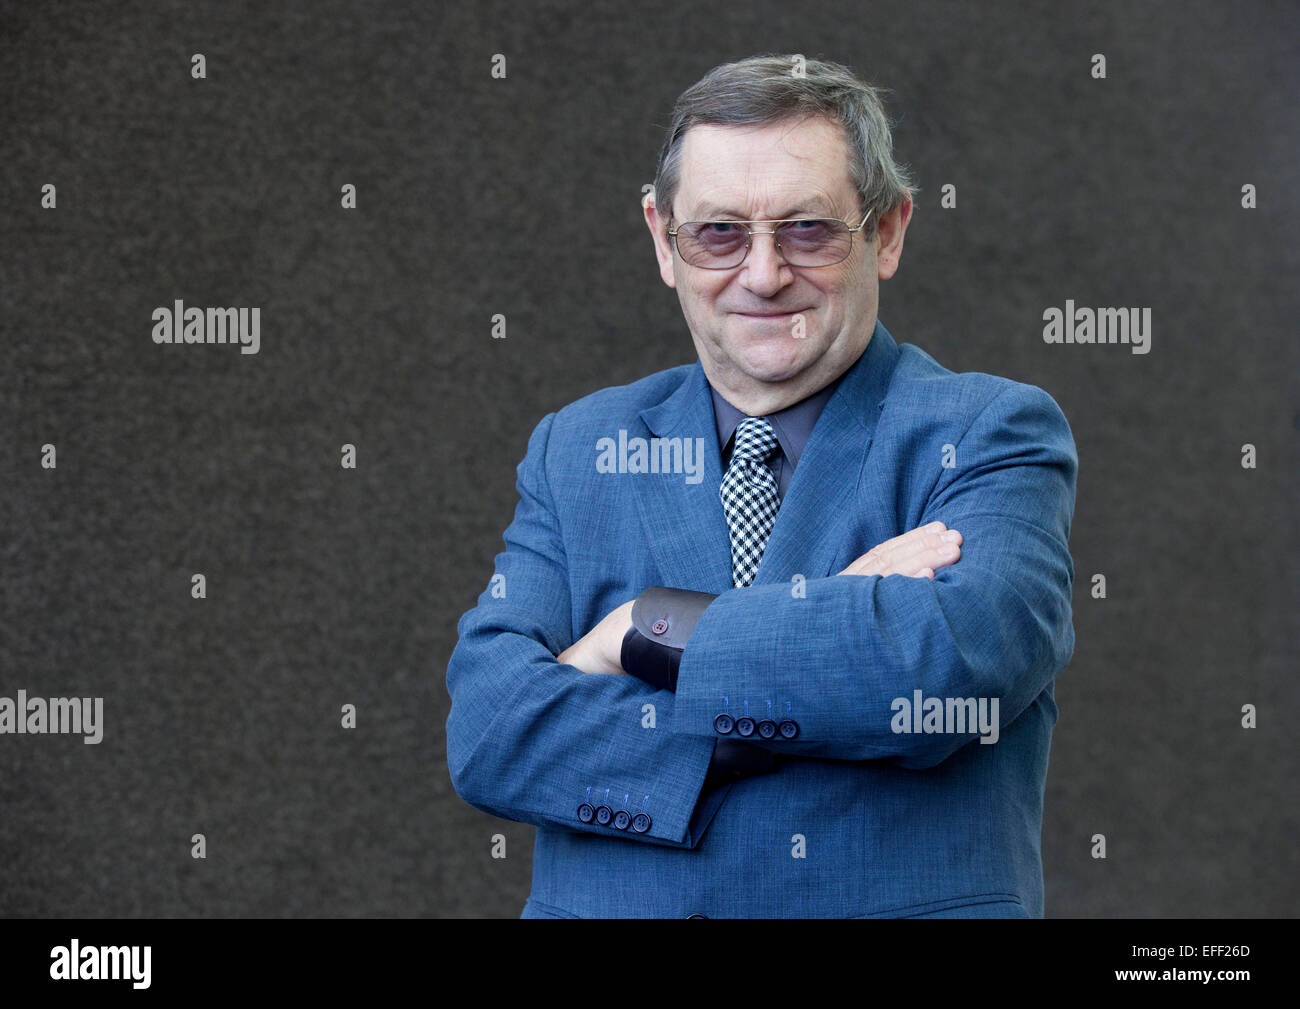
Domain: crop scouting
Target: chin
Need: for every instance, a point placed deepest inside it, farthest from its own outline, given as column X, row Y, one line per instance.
column 774, row 363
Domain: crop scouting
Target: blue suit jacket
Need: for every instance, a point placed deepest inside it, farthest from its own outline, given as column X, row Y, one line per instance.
column 870, row 822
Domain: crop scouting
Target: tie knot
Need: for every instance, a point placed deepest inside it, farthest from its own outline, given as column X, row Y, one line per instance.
column 755, row 440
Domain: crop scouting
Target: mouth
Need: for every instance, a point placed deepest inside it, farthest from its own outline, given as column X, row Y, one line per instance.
column 766, row 315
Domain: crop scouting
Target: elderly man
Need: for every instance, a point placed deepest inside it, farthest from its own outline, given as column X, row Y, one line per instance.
column 810, row 675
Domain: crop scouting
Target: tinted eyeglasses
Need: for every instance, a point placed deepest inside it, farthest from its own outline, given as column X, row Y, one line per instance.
column 723, row 245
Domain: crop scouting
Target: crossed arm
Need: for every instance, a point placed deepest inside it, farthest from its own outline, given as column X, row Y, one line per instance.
column 915, row 554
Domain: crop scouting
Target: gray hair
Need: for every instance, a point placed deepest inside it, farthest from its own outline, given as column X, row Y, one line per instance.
column 764, row 89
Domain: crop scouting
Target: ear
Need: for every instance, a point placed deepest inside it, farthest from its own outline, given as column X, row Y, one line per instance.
column 658, row 232
column 889, row 238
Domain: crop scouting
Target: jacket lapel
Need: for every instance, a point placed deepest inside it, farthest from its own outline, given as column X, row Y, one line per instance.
column 684, row 522
column 807, row 537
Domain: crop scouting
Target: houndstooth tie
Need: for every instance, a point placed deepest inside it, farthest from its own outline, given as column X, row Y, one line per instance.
column 749, row 497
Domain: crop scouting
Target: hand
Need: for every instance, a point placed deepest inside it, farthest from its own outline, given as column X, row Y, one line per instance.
column 600, row 650
column 916, row 554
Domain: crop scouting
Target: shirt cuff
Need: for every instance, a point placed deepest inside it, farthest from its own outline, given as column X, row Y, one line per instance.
column 662, row 622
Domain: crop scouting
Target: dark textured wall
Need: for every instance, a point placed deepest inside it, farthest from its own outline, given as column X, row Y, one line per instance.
column 476, row 196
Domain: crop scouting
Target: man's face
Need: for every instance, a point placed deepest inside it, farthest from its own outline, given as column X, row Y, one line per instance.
column 745, row 320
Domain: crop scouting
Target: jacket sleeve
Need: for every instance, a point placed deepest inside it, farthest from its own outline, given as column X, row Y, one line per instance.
column 539, row 741
column 997, row 624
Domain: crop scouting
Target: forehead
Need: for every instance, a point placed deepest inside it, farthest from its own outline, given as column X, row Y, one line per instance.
column 798, row 165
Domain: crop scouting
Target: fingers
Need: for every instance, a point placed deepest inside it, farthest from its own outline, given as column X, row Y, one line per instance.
column 927, row 552
column 878, row 557
column 917, row 553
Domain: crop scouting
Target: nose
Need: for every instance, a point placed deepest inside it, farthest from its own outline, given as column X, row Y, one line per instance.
column 763, row 265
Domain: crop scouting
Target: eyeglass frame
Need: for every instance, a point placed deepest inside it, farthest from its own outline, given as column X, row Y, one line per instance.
column 749, row 239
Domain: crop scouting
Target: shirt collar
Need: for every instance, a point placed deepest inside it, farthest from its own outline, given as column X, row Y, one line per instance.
column 792, row 426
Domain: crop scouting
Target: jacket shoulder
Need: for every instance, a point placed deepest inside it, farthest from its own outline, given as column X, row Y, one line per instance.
column 618, row 405
column 922, row 385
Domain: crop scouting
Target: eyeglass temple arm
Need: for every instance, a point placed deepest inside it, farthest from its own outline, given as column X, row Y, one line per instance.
column 864, row 221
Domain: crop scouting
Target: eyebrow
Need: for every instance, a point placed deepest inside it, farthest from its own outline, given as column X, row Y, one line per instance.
column 712, row 212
